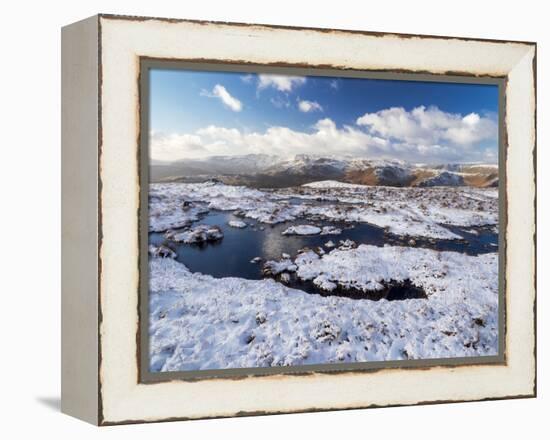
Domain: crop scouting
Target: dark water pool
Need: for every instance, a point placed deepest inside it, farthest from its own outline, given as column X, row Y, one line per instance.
column 231, row 256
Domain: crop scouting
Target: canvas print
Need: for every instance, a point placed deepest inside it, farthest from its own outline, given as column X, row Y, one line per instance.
column 315, row 220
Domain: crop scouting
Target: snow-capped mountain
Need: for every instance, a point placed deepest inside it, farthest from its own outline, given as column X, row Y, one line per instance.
column 444, row 178
column 267, row 171
column 302, row 164
column 212, row 166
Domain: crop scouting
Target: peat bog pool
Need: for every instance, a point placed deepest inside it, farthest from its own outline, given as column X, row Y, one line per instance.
column 232, row 255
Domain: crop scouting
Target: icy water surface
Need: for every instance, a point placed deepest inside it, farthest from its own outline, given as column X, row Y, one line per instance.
column 231, row 256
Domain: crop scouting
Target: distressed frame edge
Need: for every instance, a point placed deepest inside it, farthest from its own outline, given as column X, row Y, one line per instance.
column 533, row 227
column 104, row 422
column 535, row 201
column 128, row 17
column 313, row 410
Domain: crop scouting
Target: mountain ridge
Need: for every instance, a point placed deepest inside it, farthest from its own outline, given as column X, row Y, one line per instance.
column 269, row 171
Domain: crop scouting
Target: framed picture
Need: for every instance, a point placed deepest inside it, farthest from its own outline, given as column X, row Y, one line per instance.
column 262, row 219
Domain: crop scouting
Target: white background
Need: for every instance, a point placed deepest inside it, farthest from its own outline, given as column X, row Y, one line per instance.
column 30, row 217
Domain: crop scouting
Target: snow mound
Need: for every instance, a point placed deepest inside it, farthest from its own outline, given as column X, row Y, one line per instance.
column 161, row 251
column 369, row 268
column 331, row 230
column 273, row 267
column 198, row 234
column 166, row 213
column 302, row 230
column 347, row 244
column 237, row 224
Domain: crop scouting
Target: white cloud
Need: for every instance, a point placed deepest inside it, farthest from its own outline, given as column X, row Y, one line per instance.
column 309, row 106
column 171, row 147
column 421, row 135
column 324, row 138
column 334, row 84
column 225, row 97
column 283, row 83
column 471, row 119
column 430, row 126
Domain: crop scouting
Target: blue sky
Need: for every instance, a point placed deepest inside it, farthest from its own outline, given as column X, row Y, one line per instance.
column 197, row 114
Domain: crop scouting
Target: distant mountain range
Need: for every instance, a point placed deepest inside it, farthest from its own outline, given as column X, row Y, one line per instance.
column 267, row 171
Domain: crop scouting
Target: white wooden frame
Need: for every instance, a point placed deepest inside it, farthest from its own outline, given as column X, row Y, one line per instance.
column 101, row 194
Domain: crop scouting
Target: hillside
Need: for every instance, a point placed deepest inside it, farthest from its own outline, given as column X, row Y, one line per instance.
column 267, row 171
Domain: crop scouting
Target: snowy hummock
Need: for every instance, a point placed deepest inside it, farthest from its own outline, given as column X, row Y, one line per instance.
column 161, row 251
column 284, row 278
column 237, row 224
column 168, row 215
column 198, row 234
column 369, row 268
column 302, row 230
column 273, row 267
column 347, row 244
column 331, row 230
column 199, row 322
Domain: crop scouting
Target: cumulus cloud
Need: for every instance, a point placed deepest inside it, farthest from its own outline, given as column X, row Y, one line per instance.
column 420, row 135
column 225, row 97
column 283, row 83
column 309, row 106
column 170, row 147
column 324, row 138
column 430, row 126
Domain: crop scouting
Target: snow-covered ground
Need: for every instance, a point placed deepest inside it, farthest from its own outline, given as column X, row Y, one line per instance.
column 199, row 322
column 421, row 212
column 331, row 184
column 366, row 268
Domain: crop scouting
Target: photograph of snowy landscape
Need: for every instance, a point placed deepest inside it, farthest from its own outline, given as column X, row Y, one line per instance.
column 308, row 220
